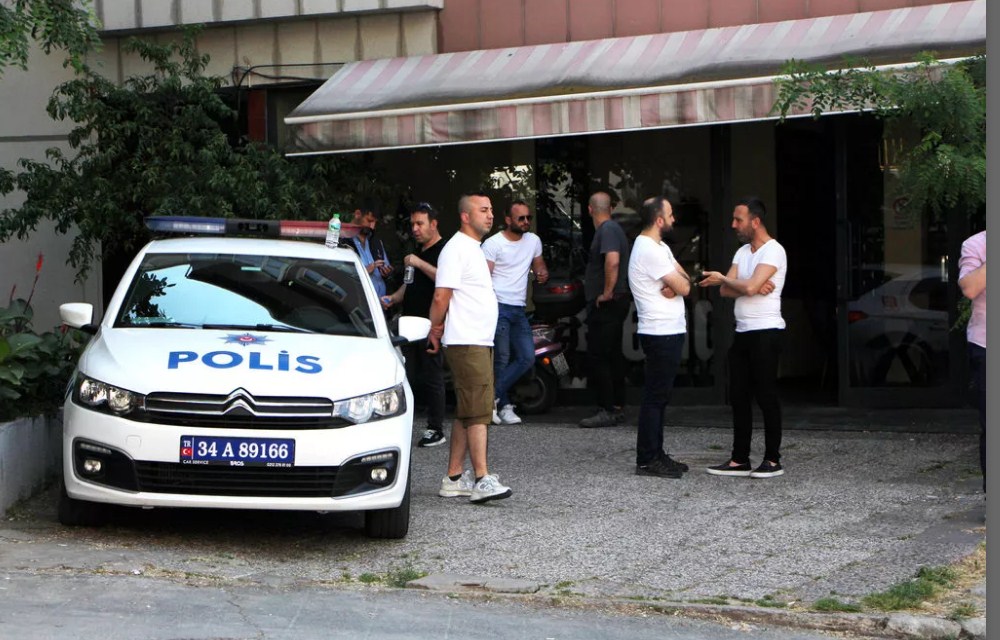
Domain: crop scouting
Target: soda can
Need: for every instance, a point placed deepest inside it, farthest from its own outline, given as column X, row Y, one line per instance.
column 408, row 274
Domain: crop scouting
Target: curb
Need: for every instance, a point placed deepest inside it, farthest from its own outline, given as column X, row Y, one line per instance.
column 891, row 625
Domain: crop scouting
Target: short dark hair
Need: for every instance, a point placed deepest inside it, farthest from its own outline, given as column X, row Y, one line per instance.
column 754, row 205
column 425, row 207
column 510, row 209
column 371, row 206
column 650, row 211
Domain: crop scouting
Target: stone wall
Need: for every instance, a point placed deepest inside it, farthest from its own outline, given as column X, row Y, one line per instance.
column 30, row 455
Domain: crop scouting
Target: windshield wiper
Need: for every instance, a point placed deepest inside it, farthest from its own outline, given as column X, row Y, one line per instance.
column 257, row 327
column 160, row 325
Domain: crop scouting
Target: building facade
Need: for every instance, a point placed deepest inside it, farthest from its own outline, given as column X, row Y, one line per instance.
column 552, row 99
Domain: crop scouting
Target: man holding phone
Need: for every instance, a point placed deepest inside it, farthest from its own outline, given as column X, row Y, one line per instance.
column 755, row 280
column 369, row 248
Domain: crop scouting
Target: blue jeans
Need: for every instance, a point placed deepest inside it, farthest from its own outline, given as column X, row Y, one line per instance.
column 513, row 350
column 663, row 356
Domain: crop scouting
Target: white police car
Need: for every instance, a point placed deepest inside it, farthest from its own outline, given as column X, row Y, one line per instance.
column 240, row 373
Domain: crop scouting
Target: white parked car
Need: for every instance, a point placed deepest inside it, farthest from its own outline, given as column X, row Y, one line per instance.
column 899, row 328
column 240, row 373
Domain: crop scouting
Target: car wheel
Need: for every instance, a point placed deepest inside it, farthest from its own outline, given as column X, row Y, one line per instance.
column 80, row 513
column 536, row 394
column 390, row 524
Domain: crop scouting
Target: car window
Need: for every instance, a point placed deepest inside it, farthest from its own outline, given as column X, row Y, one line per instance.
column 232, row 291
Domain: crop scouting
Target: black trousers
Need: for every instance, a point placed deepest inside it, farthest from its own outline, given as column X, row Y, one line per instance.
column 977, row 371
column 753, row 374
column 425, row 372
column 663, row 356
column 605, row 360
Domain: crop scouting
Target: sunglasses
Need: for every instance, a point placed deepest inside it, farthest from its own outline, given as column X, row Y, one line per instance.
column 424, row 207
column 526, row 218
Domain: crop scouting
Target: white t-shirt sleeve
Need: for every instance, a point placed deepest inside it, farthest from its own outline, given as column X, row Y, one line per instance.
column 663, row 263
column 449, row 268
column 774, row 255
column 538, row 247
column 491, row 248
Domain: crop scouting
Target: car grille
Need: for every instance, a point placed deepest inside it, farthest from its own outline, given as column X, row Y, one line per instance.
column 240, row 410
column 271, row 482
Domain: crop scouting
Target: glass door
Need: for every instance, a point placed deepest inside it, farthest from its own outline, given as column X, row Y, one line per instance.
column 894, row 299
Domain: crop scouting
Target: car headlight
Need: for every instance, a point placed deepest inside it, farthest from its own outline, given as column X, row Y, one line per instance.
column 100, row 395
column 372, row 406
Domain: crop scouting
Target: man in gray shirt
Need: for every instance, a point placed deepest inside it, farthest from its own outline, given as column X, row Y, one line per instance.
column 605, row 286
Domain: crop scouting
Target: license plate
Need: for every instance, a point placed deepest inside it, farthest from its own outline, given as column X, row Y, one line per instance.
column 238, row 452
column 560, row 364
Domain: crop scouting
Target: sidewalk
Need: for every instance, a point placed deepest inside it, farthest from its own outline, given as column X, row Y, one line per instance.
column 860, row 508
column 857, row 511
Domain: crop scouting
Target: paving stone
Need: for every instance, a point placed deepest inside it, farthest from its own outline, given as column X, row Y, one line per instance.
column 923, row 627
column 974, row 628
column 457, row 582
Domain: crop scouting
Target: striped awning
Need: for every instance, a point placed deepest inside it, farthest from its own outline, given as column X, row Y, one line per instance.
column 615, row 84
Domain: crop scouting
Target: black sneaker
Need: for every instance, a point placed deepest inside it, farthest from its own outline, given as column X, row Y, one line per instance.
column 726, row 469
column 617, row 416
column 432, row 438
column 767, row 469
column 666, row 458
column 659, row 468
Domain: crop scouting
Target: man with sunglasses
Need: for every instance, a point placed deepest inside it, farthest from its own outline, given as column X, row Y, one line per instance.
column 510, row 254
column 416, row 299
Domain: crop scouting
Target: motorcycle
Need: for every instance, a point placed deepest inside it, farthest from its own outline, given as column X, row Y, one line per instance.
column 555, row 337
column 554, row 332
column 536, row 391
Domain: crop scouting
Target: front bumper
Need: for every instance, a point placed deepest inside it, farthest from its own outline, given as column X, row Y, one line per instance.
column 140, row 466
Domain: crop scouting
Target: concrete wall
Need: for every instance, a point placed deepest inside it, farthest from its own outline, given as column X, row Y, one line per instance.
column 30, row 456
column 26, row 131
column 485, row 24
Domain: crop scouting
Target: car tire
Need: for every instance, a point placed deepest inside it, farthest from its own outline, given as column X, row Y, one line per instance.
column 390, row 524
column 537, row 394
column 80, row 513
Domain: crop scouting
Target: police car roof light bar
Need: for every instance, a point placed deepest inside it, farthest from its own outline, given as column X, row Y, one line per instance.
column 196, row 225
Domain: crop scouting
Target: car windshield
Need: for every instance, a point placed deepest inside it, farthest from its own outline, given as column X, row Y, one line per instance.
column 247, row 292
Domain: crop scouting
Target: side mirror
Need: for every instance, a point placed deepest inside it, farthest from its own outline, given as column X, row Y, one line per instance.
column 79, row 315
column 412, row 329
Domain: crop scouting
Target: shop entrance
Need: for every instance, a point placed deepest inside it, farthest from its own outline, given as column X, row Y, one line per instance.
column 870, row 297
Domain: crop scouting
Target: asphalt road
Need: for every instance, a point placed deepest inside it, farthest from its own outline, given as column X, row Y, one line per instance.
column 67, row 606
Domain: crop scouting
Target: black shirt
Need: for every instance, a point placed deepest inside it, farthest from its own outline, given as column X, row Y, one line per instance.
column 420, row 293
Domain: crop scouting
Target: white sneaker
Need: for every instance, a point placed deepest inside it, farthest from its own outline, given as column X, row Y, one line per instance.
column 489, row 488
column 457, row 488
column 496, row 416
column 507, row 415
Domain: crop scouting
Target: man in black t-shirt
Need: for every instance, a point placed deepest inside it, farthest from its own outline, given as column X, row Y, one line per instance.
column 605, row 286
column 416, row 300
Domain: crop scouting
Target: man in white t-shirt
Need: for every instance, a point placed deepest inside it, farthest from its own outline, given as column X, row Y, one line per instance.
column 658, row 284
column 510, row 254
column 464, row 318
column 755, row 279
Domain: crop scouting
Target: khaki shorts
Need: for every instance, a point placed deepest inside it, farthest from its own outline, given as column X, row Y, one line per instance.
column 472, row 376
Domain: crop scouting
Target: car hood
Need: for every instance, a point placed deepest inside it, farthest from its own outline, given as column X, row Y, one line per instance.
column 263, row 363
